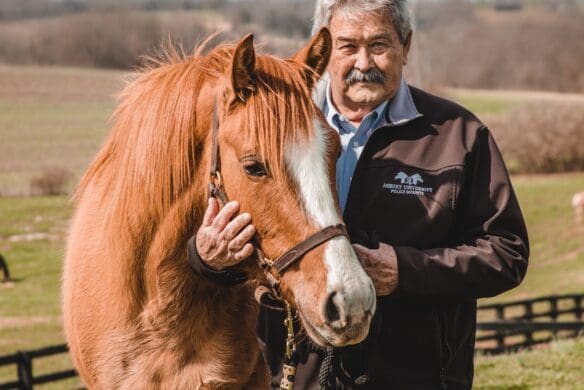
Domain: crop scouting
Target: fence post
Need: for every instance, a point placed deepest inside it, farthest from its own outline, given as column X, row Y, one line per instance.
column 529, row 316
column 577, row 311
column 24, row 370
column 500, row 313
column 554, row 313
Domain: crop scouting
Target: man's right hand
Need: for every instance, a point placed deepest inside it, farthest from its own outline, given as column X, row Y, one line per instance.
column 221, row 241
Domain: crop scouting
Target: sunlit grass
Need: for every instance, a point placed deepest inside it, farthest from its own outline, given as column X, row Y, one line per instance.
column 558, row 366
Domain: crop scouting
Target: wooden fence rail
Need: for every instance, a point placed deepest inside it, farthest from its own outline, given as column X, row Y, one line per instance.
column 24, row 367
column 510, row 326
column 501, row 328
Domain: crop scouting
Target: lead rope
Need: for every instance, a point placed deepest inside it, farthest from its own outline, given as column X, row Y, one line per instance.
column 326, row 375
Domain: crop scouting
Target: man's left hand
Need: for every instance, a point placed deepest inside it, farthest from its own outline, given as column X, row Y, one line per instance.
column 381, row 266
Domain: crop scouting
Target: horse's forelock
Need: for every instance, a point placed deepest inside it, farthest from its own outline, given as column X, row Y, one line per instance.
column 280, row 112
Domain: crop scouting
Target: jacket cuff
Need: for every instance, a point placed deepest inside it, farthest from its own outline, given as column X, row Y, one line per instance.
column 226, row 277
column 409, row 268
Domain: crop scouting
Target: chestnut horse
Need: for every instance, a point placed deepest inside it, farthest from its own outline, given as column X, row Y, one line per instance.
column 136, row 317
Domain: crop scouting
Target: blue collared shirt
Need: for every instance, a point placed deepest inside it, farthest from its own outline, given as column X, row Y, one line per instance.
column 397, row 111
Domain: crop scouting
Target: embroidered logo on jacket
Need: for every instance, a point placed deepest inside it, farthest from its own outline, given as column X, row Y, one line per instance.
column 410, row 180
column 408, row 185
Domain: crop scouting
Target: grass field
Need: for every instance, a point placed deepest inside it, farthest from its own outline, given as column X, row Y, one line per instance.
column 51, row 117
column 58, row 116
column 486, row 103
column 30, row 314
column 558, row 367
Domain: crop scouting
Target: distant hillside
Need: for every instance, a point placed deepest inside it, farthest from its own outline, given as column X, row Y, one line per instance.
column 471, row 44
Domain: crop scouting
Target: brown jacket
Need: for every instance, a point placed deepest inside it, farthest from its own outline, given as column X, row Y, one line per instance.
column 437, row 190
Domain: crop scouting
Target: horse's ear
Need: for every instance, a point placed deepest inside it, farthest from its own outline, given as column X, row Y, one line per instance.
column 242, row 68
column 316, row 55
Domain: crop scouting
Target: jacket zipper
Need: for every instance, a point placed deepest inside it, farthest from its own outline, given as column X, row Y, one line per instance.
column 444, row 347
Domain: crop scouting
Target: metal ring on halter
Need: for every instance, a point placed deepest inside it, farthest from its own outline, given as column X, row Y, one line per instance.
column 217, row 179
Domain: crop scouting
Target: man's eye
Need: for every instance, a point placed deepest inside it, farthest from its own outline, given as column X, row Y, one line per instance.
column 379, row 46
column 347, row 47
column 255, row 168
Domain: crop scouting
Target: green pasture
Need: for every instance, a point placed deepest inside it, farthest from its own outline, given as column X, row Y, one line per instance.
column 481, row 104
column 58, row 116
column 487, row 103
column 32, row 232
column 557, row 367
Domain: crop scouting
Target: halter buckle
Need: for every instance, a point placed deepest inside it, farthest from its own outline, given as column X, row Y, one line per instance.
column 216, row 179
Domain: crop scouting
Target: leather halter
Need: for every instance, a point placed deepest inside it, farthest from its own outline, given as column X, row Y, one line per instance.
column 273, row 269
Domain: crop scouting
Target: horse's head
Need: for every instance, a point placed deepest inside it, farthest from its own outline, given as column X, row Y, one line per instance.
column 278, row 160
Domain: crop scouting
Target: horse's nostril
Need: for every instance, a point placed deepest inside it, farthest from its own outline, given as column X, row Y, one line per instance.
column 331, row 311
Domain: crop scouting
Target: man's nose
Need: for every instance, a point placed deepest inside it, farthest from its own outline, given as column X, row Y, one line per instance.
column 363, row 62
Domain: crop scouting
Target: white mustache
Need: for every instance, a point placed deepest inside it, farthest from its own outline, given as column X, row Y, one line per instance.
column 372, row 76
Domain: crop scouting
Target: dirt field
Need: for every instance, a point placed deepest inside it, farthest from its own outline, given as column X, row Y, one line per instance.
column 51, row 117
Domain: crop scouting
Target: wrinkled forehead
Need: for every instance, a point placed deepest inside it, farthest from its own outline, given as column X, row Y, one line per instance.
column 357, row 13
column 349, row 20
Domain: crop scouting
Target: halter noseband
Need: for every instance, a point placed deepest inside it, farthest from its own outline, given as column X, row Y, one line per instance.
column 273, row 269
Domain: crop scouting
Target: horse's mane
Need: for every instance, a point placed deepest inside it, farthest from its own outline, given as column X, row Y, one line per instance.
column 152, row 151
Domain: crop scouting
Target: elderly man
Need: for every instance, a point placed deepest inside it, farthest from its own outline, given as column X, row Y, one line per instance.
column 427, row 201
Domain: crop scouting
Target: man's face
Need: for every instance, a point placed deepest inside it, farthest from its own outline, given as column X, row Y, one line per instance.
column 367, row 59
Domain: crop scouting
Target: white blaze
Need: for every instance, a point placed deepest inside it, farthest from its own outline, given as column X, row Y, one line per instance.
column 307, row 163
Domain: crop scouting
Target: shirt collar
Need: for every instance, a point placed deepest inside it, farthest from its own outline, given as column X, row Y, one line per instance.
column 398, row 111
column 402, row 108
column 332, row 115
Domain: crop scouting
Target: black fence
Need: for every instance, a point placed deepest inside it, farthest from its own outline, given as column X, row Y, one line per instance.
column 504, row 327
column 24, row 367
column 511, row 326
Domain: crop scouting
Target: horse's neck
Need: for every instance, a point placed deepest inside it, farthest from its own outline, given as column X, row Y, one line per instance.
column 212, row 327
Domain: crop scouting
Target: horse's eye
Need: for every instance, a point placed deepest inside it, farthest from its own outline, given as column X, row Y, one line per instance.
column 255, row 168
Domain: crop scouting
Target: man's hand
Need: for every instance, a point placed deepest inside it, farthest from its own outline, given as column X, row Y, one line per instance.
column 381, row 266
column 222, row 241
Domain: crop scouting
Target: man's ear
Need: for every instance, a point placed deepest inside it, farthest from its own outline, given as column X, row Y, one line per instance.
column 242, row 69
column 316, row 55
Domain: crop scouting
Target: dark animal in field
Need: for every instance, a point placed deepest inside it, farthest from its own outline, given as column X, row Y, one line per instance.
column 5, row 270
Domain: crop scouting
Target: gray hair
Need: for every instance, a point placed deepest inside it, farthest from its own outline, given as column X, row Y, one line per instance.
column 398, row 9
